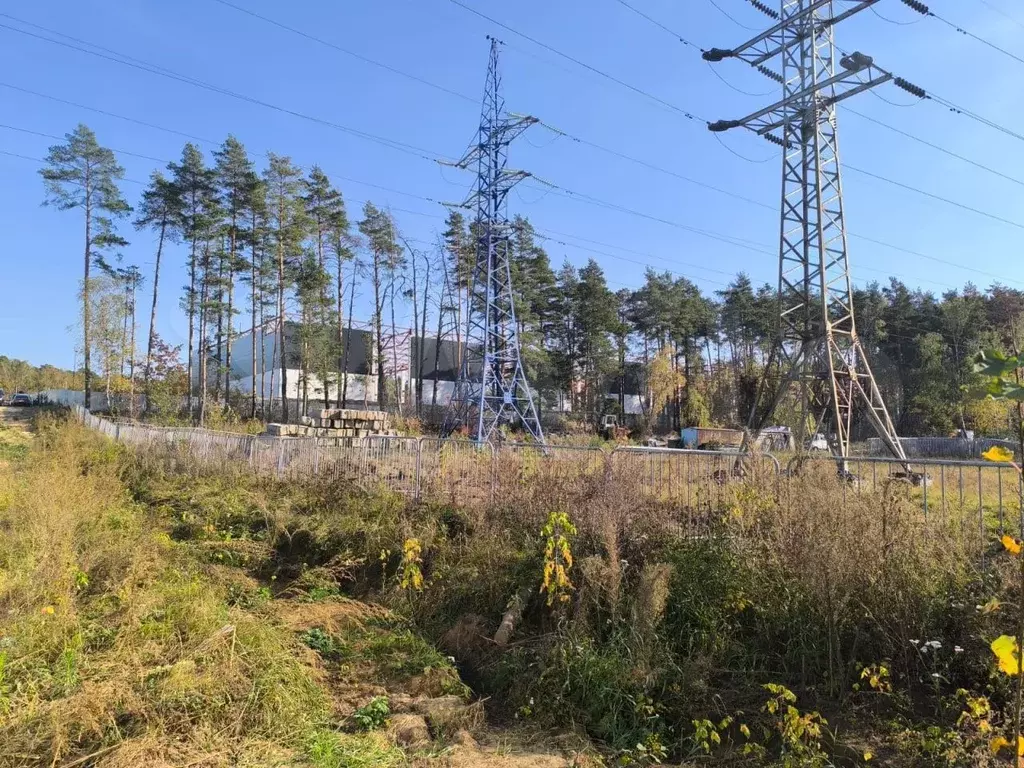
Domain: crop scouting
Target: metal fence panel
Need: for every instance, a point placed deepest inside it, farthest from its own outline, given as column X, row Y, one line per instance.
column 456, row 471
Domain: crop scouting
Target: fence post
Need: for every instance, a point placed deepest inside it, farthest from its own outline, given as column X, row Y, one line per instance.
column 280, row 456
column 419, row 455
column 494, row 472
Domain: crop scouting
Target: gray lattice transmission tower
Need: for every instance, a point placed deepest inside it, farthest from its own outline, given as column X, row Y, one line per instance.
column 492, row 390
column 817, row 348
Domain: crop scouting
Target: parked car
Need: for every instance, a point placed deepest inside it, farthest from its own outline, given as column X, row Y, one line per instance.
column 818, row 442
column 21, row 399
column 1, row 397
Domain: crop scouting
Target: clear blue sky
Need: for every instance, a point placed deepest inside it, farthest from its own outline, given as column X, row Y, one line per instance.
column 40, row 255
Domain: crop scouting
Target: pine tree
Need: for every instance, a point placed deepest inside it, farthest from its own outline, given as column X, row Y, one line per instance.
column 82, row 174
column 325, row 209
column 234, row 173
column 379, row 231
column 460, row 253
column 287, row 230
column 257, row 234
column 535, row 287
column 160, row 210
column 195, row 184
column 596, row 320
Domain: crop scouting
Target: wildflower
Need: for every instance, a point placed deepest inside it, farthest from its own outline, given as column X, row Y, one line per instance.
column 934, row 644
column 915, row 642
column 998, row 453
column 936, row 675
column 1007, row 652
column 957, row 649
column 47, row 610
column 1011, row 544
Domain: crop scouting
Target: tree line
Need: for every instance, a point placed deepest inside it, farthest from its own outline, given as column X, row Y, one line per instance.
column 264, row 244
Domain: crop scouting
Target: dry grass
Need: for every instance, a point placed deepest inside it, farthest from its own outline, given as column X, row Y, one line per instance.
column 116, row 644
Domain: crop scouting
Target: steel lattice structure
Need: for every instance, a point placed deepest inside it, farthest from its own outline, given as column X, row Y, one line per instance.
column 492, row 389
column 817, row 346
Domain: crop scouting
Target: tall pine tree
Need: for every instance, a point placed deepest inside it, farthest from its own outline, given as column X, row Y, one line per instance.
column 81, row 174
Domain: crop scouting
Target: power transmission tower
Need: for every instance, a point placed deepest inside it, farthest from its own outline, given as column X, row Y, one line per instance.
column 817, row 346
column 492, row 389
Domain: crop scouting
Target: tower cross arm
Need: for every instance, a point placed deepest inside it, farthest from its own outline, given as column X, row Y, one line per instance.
column 776, row 39
column 858, row 74
column 506, row 131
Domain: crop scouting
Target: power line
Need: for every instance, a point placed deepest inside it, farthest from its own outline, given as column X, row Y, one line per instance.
column 1002, row 13
column 387, row 142
column 652, row 166
column 924, row 10
column 688, row 115
column 732, row 18
column 658, row 24
column 945, row 151
column 163, row 72
column 933, row 196
column 582, row 198
column 347, row 52
column 106, row 113
column 559, row 237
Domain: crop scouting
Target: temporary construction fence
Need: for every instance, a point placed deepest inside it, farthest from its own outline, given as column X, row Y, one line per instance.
column 459, row 471
column 983, row 495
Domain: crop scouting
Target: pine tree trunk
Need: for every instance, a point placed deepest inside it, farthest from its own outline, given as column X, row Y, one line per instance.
column 280, row 323
column 228, row 333
column 152, row 313
column 219, row 344
column 86, row 309
column 203, row 318
column 252, row 298
column 348, row 342
column 191, row 322
column 378, row 327
column 423, row 333
column 394, row 348
column 131, row 361
column 341, row 334
column 273, row 370
column 417, row 338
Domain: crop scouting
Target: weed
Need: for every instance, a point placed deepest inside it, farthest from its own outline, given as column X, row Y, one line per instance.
column 328, row 749
column 373, row 715
column 558, row 531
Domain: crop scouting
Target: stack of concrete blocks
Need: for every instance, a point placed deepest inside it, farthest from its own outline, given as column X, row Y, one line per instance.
column 340, row 425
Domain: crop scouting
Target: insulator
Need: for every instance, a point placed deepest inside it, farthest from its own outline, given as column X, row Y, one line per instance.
column 765, row 9
column 917, row 6
column 773, row 139
column 909, row 87
column 769, row 73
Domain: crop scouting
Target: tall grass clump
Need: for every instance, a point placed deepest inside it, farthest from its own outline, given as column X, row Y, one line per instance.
column 118, row 647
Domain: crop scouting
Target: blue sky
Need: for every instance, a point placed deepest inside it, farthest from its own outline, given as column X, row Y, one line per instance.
column 438, row 41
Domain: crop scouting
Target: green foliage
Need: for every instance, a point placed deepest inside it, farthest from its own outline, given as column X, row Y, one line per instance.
column 329, row 749
column 373, row 715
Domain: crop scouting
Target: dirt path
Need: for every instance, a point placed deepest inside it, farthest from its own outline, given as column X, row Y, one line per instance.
column 436, row 728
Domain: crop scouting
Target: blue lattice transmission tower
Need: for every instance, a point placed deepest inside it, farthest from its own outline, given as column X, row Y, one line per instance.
column 817, row 348
column 491, row 390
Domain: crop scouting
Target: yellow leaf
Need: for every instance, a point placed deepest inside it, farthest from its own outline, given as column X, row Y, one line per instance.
column 997, row 744
column 867, row 756
column 998, row 453
column 1006, row 651
column 1020, row 746
column 1011, row 544
column 47, row 610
